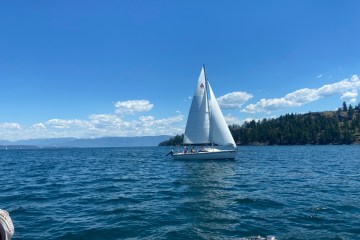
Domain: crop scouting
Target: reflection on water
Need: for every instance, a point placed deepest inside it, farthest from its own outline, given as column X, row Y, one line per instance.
column 209, row 191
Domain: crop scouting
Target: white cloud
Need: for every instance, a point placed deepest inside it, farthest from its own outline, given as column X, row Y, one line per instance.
column 234, row 100
column 99, row 125
column 103, row 121
column 10, row 130
column 10, row 126
column 62, row 123
column 349, row 97
column 302, row 96
column 269, row 105
column 230, row 120
column 348, row 89
column 148, row 125
column 133, row 106
column 335, row 88
column 38, row 126
column 151, row 121
column 319, row 76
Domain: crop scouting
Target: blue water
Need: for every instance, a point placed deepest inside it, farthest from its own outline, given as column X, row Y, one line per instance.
column 294, row 192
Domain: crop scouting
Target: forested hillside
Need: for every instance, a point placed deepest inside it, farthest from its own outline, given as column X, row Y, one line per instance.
column 330, row 127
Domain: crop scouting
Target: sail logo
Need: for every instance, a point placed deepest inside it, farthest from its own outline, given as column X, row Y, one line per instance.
column 202, row 85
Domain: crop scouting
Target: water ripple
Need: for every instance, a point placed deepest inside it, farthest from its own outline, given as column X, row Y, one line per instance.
column 302, row 192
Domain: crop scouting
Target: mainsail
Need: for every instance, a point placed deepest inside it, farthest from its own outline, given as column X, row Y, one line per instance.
column 206, row 123
column 197, row 126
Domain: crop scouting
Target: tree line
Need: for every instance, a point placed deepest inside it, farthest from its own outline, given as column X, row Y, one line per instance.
column 330, row 127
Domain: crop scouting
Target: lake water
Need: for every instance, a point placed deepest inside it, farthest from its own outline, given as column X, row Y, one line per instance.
column 292, row 192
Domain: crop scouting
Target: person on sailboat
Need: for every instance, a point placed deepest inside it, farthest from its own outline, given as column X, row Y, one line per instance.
column 193, row 149
column 185, row 149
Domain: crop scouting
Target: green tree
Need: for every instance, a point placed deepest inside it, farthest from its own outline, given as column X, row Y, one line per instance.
column 344, row 108
column 351, row 112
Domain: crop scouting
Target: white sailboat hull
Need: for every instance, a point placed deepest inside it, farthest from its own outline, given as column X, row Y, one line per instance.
column 211, row 155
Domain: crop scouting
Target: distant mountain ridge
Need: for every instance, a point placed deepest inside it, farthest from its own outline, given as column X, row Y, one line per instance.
column 143, row 141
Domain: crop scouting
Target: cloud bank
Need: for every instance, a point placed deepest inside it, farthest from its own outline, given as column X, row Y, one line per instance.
column 99, row 125
column 347, row 88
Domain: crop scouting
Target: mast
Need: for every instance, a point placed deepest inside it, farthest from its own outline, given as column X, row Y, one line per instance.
column 207, row 99
column 207, row 91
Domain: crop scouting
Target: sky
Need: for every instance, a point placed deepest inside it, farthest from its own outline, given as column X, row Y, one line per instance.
column 89, row 69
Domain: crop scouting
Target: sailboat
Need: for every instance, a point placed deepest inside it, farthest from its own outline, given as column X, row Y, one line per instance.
column 206, row 126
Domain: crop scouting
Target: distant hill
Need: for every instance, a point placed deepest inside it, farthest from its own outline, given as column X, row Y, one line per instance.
column 299, row 129
column 44, row 142
column 329, row 127
column 87, row 143
column 8, row 147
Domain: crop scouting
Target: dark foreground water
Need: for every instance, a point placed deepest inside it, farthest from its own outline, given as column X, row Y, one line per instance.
column 297, row 192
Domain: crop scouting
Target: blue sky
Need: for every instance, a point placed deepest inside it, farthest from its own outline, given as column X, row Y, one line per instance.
column 129, row 68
